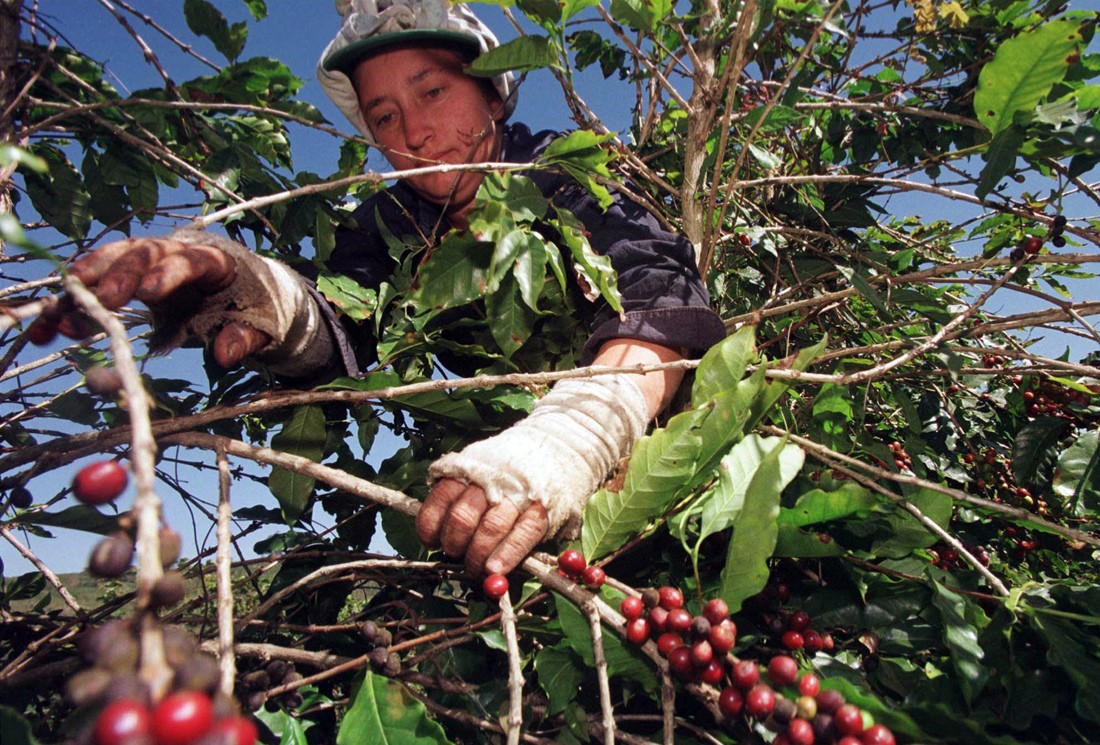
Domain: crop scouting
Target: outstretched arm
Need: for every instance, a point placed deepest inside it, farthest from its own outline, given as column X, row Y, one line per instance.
column 545, row 467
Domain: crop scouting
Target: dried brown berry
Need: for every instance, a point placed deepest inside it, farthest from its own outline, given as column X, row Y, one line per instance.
column 102, row 380
column 167, row 590
column 111, row 556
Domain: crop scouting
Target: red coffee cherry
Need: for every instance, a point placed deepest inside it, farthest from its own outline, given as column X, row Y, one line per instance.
column 183, row 717
column 679, row 620
column 1033, row 245
column 701, row 653
column 667, row 642
column 799, row 732
column 671, row 598
column 809, row 685
column 679, row 660
column 631, row 607
column 122, row 722
column 572, row 562
column 783, row 670
column 716, row 611
column 745, row 674
column 713, row 673
column 100, row 482
column 637, row 631
column 236, row 730
column 593, row 577
column 41, row 331
column 877, row 734
column 759, row 701
column 799, row 621
column 659, row 618
column 811, row 641
column 723, row 636
column 730, row 702
column 793, row 640
column 829, row 701
column 848, row 720
column 495, row 585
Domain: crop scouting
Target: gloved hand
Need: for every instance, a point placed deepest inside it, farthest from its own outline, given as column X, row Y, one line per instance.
column 497, row 498
column 201, row 284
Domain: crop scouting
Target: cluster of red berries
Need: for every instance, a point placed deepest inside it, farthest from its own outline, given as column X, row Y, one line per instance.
column 183, row 718
column 192, row 713
column 571, row 564
column 901, row 458
column 994, row 473
column 814, row 716
column 1048, row 398
column 695, row 647
column 1024, row 544
column 798, row 634
column 946, row 557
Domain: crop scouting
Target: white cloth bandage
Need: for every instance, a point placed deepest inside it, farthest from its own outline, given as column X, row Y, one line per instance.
column 560, row 454
column 269, row 297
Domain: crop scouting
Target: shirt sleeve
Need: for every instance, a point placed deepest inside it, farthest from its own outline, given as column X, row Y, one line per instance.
column 664, row 299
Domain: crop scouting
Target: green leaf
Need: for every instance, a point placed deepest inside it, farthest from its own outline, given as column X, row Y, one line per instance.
column 382, row 712
column 14, row 729
column 289, row 729
column 1000, row 157
column 1075, row 651
column 581, row 154
column 355, row 301
column 864, row 288
column 1033, row 443
column 1077, row 475
column 756, row 529
column 78, row 517
column 206, row 20
column 303, row 434
column 510, row 320
column 13, row 155
column 819, row 506
column 906, row 532
column 1022, row 72
column 961, row 637
column 588, row 265
column 559, row 677
column 456, row 273
column 738, row 473
column 60, row 197
column 641, row 14
column 521, row 54
column 799, row 544
column 723, row 366
column 258, row 8
column 659, row 468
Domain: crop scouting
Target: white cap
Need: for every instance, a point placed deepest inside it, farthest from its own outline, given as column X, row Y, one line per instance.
column 371, row 24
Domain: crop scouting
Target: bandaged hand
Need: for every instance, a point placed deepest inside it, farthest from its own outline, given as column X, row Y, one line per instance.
column 202, row 285
column 494, row 501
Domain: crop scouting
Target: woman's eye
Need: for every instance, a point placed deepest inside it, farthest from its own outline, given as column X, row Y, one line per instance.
column 383, row 120
column 435, row 92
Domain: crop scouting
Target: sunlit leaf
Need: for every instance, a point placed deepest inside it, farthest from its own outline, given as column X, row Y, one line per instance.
column 1023, row 71
column 383, row 713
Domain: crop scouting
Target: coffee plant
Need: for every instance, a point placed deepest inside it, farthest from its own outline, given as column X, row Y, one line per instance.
column 870, row 518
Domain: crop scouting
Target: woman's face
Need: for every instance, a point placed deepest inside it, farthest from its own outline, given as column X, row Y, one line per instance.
column 424, row 111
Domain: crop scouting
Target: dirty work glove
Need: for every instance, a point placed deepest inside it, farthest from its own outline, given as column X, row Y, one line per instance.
column 265, row 295
column 561, row 453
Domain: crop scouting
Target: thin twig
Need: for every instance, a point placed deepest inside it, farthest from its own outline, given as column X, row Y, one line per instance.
column 224, row 561
column 515, row 670
column 594, row 624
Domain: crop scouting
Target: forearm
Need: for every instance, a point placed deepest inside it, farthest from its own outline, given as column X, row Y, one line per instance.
column 659, row 386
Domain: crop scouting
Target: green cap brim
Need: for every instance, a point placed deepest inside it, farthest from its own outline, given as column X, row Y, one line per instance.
column 344, row 60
